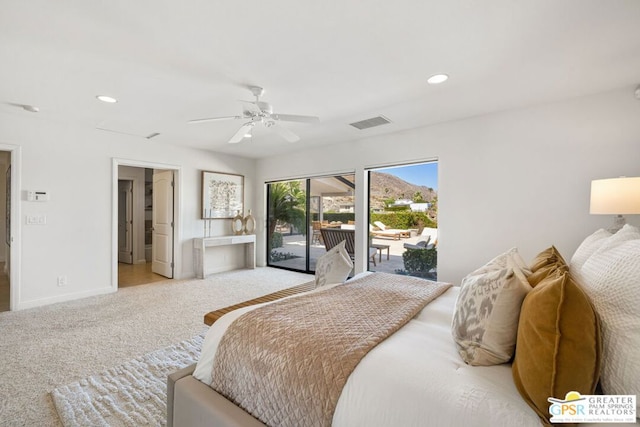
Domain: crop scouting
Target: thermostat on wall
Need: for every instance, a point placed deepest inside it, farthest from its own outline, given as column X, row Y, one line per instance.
column 37, row 196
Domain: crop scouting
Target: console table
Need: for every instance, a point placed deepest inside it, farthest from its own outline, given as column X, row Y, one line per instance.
column 201, row 244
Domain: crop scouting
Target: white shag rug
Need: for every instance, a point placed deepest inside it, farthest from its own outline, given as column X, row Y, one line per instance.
column 132, row 394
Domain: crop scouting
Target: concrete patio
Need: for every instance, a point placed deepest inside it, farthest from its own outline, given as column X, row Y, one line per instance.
column 296, row 245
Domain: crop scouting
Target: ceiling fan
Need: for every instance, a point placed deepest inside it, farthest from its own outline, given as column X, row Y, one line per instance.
column 261, row 112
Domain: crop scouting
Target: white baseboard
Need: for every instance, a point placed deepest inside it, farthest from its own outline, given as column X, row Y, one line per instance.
column 23, row 305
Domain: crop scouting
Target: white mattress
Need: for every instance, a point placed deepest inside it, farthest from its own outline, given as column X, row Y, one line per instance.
column 414, row 378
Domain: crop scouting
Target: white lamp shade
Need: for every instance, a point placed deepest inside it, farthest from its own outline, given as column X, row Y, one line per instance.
column 615, row 196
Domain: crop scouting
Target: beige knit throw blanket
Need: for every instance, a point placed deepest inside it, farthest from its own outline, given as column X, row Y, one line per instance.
column 287, row 362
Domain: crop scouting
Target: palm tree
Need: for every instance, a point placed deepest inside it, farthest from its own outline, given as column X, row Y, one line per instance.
column 418, row 198
column 287, row 203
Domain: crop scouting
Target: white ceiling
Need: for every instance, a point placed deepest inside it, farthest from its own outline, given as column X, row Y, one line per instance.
column 171, row 61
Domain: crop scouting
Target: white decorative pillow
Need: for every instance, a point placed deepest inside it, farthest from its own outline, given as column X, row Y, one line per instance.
column 334, row 266
column 588, row 246
column 485, row 321
column 626, row 233
column 611, row 278
column 502, row 261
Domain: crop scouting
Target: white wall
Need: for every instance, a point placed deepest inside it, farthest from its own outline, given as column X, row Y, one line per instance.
column 516, row 178
column 75, row 165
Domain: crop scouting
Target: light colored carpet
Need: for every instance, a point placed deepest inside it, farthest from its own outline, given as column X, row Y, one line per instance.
column 132, row 394
column 43, row 348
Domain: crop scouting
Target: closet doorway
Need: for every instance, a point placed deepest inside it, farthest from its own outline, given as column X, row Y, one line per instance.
column 10, row 228
column 5, row 226
column 145, row 219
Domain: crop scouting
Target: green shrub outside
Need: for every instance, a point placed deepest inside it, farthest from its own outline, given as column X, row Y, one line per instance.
column 400, row 208
column 403, row 219
column 421, row 262
column 276, row 240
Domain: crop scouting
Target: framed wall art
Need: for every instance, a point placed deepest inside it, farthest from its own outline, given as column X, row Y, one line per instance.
column 222, row 195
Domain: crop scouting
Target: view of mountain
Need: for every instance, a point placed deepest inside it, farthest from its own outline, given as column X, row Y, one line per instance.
column 385, row 186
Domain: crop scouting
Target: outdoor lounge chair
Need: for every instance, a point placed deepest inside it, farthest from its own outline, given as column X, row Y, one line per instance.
column 333, row 236
column 430, row 239
column 379, row 233
column 422, row 244
column 402, row 233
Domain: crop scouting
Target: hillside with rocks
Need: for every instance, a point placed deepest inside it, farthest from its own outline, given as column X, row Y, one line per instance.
column 385, row 186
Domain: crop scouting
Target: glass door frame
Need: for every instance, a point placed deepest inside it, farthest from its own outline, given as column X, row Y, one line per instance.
column 308, row 214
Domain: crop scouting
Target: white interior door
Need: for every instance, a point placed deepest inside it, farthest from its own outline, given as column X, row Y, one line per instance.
column 162, row 224
column 125, row 221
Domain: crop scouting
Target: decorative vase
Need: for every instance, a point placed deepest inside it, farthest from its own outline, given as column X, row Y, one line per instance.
column 237, row 224
column 249, row 224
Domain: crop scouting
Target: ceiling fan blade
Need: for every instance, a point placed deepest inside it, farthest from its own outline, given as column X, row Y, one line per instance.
column 241, row 133
column 286, row 133
column 213, row 119
column 295, row 118
column 251, row 107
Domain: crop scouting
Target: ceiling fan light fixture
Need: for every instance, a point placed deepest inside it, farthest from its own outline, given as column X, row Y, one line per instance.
column 436, row 79
column 107, row 99
column 261, row 112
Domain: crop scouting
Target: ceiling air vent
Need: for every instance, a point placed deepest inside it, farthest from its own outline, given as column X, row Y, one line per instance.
column 372, row 122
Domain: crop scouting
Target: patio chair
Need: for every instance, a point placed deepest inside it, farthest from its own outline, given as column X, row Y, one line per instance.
column 316, row 236
column 431, row 233
column 402, row 233
column 422, row 244
column 333, row 236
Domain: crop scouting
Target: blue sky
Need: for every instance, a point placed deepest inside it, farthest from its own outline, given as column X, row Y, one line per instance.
column 420, row 174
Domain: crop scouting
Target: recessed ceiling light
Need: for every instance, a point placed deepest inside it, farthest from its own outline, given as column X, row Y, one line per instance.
column 105, row 98
column 437, row 79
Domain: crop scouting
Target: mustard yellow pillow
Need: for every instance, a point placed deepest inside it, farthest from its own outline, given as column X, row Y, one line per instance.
column 559, row 347
column 547, row 257
column 543, row 272
column 547, row 262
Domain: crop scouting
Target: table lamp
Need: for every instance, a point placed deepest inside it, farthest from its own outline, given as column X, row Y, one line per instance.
column 615, row 196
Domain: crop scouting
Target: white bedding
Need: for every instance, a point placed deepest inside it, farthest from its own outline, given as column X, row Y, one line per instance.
column 414, row 378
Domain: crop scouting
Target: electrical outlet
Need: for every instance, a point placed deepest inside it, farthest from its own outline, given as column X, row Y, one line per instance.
column 62, row 280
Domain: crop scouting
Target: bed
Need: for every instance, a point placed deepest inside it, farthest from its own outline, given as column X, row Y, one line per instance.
column 417, row 376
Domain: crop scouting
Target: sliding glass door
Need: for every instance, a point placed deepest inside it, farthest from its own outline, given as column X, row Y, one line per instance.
column 287, row 222
column 298, row 210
